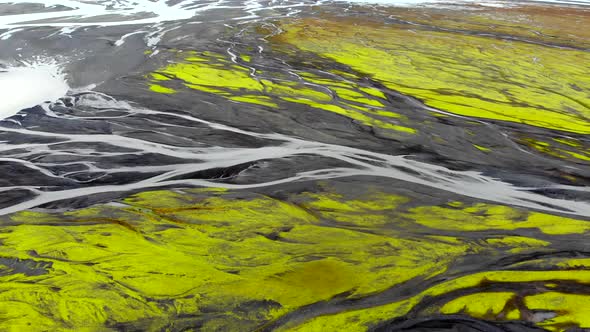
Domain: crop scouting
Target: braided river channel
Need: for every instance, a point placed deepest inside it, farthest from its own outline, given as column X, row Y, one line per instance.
column 294, row 165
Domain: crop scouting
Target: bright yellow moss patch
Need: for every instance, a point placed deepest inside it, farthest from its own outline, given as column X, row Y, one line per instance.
column 214, row 74
column 467, row 75
column 482, row 148
column 353, row 321
column 575, row 263
column 368, row 212
column 480, row 305
column 572, row 309
column 248, row 259
column 517, row 243
column 161, row 89
column 252, row 99
column 481, row 217
column 176, row 253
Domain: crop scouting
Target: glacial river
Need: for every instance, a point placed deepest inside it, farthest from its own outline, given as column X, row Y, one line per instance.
column 290, row 165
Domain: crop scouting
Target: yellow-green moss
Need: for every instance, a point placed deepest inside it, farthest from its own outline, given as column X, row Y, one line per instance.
column 481, row 217
column 572, row 308
column 480, row 305
column 561, row 148
column 214, row 74
column 250, row 259
column 467, row 75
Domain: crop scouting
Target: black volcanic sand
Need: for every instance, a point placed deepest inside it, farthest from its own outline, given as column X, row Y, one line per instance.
column 222, row 174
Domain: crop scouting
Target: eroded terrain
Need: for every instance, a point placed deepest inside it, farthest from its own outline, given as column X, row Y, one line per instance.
column 319, row 167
